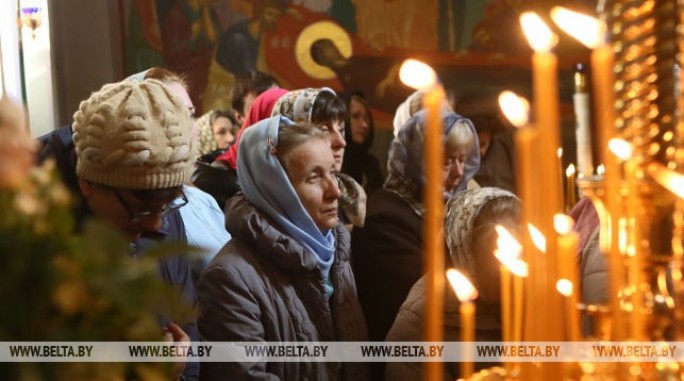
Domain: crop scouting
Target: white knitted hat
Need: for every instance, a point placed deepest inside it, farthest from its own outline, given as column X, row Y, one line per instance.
column 134, row 136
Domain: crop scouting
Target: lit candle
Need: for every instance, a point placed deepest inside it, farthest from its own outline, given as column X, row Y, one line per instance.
column 592, row 33
column 516, row 110
column 630, row 235
column 568, row 247
column 580, row 101
column 571, row 196
column 466, row 293
column 422, row 77
column 546, row 111
column 508, row 252
column 671, row 180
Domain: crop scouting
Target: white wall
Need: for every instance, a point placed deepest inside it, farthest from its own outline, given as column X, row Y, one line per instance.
column 9, row 50
column 38, row 84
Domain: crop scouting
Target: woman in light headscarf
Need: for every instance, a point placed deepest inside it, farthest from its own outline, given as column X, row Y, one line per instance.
column 471, row 237
column 285, row 275
column 215, row 131
column 219, row 178
column 388, row 250
column 324, row 109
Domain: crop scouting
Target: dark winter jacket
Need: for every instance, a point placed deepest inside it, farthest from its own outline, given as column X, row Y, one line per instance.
column 265, row 286
column 174, row 270
column 387, row 259
column 217, row 179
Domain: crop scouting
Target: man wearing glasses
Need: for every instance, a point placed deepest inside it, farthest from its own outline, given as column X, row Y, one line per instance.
column 131, row 151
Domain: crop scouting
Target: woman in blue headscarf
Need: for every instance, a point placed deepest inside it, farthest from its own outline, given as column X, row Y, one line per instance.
column 285, row 275
column 387, row 251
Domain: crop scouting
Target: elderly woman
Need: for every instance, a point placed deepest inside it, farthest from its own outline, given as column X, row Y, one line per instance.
column 325, row 109
column 285, row 275
column 388, row 257
column 471, row 238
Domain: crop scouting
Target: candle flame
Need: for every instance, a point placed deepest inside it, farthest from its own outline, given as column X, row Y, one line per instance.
column 537, row 238
column 564, row 286
column 506, row 242
column 600, row 170
column 465, row 291
column 538, row 34
column 516, row 266
column 570, row 170
column 509, row 252
column 671, row 180
column 621, row 148
column 515, row 108
column 586, row 29
column 563, row 223
column 417, row 74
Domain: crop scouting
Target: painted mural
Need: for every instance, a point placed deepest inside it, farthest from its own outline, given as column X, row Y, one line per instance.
column 348, row 45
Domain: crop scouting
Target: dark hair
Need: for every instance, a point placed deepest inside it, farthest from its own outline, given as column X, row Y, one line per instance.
column 327, row 107
column 357, row 96
column 292, row 136
column 228, row 114
column 253, row 82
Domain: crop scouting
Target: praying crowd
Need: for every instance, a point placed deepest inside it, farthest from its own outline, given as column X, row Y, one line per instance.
column 302, row 233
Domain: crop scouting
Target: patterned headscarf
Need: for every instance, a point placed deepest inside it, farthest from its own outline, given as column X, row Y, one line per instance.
column 261, row 109
column 461, row 213
column 297, row 105
column 405, row 163
column 207, row 143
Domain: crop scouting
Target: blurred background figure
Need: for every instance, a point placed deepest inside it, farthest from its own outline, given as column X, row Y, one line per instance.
column 358, row 162
column 217, row 130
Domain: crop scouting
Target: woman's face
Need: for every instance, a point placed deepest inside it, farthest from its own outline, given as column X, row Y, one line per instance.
column 335, row 131
column 222, row 128
column 359, row 121
column 311, row 170
column 454, row 166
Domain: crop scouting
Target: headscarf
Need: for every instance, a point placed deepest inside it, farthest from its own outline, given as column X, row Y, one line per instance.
column 265, row 184
column 207, row 143
column 461, row 213
column 297, row 105
column 260, row 109
column 405, row 163
column 406, row 110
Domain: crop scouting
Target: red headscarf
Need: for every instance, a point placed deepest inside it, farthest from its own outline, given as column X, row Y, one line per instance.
column 260, row 109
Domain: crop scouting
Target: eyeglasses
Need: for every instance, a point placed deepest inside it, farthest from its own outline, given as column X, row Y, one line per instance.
column 145, row 214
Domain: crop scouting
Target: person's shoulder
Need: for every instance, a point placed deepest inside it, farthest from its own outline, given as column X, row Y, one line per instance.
column 200, row 198
column 387, row 204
